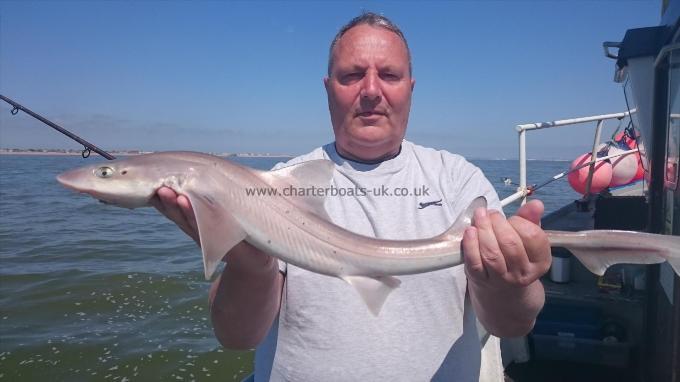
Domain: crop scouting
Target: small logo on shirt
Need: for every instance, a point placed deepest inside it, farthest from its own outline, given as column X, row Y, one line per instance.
column 427, row 204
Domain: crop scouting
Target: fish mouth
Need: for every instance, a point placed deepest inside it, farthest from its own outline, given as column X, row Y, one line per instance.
column 68, row 180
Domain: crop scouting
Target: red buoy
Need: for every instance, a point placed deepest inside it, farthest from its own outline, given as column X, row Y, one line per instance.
column 624, row 167
column 632, row 144
column 602, row 175
column 628, row 141
column 640, row 170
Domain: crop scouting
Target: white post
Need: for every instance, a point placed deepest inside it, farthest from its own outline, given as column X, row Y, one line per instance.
column 512, row 198
column 522, row 130
column 522, row 163
column 593, row 157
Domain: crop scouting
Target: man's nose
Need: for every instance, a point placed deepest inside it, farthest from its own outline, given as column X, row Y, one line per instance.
column 370, row 90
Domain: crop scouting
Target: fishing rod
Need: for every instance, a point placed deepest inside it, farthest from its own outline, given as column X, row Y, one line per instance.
column 531, row 189
column 89, row 147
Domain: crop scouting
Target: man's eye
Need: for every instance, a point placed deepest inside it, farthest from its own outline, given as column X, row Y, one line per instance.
column 389, row 77
column 349, row 77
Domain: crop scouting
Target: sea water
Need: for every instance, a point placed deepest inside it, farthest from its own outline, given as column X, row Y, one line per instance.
column 90, row 291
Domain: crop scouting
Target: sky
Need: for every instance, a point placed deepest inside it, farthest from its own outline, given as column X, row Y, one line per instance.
column 248, row 76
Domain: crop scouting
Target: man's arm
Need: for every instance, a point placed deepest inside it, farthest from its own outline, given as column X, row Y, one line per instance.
column 504, row 260
column 245, row 298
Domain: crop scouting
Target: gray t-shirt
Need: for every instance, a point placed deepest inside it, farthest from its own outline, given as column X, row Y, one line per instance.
column 427, row 328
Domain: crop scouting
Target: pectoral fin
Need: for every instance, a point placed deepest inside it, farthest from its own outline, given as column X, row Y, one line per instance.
column 218, row 230
column 373, row 290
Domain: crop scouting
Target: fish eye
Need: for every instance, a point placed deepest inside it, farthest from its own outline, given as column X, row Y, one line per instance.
column 103, row 172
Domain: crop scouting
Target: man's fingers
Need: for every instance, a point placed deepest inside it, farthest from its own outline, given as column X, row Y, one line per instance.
column 188, row 211
column 535, row 242
column 176, row 209
column 168, row 204
column 167, row 197
column 491, row 255
column 510, row 244
column 532, row 211
column 473, row 259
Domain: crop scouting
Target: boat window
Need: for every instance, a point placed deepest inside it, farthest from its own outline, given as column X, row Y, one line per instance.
column 673, row 139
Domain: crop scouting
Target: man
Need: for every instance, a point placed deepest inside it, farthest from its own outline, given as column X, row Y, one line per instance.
column 312, row 327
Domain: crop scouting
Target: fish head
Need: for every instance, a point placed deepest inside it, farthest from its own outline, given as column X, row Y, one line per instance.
column 128, row 183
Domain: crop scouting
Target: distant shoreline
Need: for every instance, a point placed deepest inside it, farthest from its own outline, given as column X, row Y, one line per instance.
column 39, row 152
column 46, row 152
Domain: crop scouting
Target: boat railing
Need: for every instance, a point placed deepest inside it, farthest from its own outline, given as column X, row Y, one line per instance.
column 523, row 191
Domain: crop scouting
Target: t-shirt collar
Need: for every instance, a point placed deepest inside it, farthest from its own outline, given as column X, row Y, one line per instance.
column 393, row 164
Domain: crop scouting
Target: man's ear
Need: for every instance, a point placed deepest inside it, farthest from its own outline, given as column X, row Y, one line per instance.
column 413, row 83
column 327, row 85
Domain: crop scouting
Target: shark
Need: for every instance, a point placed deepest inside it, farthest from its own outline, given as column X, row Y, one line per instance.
column 233, row 203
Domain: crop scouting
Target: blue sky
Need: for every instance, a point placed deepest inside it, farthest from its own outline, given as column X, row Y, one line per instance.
column 247, row 77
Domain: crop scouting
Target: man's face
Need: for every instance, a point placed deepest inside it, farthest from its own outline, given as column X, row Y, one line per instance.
column 369, row 92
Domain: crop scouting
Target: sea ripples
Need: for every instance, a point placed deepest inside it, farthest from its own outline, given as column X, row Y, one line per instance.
column 90, row 291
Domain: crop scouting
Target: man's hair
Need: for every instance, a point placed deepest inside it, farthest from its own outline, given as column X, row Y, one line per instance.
column 374, row 20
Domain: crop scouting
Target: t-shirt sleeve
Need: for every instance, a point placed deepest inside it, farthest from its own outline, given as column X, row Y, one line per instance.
column 469, row 183
column 487, row 190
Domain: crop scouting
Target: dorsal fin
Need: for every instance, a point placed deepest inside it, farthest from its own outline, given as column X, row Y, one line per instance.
column 305, row 184
column 317, row 173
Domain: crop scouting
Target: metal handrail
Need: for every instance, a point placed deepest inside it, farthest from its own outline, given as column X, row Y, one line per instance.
column 572, row 121
column 526, row 192
column 522, row 190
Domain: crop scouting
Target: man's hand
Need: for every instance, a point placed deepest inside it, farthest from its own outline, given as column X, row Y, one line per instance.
column 178, row 209
column 503, row 261
column 245, row 298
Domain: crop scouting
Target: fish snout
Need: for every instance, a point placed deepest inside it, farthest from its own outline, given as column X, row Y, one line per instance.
column 69, row 179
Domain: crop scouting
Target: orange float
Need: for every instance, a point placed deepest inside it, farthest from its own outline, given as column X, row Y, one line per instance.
column 631, row 143
column 624, row 167
column 628, row 141
column 640, row 170
column 602, row 175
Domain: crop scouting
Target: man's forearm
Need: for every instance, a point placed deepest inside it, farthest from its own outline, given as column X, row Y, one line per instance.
column 246, row 297
column 510, row 312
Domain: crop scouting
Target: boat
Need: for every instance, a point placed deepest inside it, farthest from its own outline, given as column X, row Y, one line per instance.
column 625, row 325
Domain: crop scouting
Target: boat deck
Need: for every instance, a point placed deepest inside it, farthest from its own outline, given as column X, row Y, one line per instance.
column 574, row 218
column 583, row 291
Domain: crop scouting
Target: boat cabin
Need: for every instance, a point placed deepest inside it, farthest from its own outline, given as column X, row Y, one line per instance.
column 625, row 325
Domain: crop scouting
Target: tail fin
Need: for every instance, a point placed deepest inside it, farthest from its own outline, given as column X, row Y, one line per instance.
column 598, row 250
column 675, row 264
column 597, row 260
column 672, row 246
